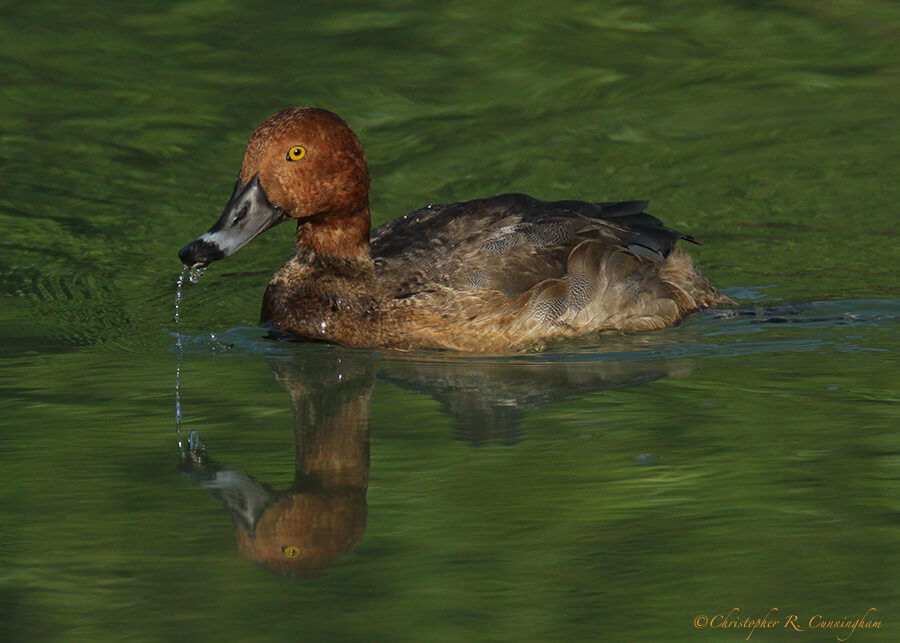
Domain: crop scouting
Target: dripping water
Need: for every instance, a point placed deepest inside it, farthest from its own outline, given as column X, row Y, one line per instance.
column 193, row 443
column 196, row 273
column 179, row 354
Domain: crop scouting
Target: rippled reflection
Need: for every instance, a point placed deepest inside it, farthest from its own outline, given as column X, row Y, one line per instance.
column 322, row 515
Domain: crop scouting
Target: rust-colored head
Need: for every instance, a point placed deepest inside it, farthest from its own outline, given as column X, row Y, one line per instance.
column 303, row 163
column 310, row 163
column 302, row 532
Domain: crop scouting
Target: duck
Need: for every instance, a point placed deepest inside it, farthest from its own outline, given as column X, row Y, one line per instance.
column 506, row 273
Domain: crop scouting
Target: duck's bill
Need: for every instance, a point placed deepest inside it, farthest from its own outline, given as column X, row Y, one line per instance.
column 247, row 215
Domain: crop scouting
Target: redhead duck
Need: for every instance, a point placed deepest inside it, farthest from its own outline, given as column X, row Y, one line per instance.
column 504, row 273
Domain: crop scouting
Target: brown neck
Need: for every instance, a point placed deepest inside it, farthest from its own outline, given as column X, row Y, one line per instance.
column 343, row 234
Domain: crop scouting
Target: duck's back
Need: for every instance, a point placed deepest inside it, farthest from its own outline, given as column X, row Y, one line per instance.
column 510, row 271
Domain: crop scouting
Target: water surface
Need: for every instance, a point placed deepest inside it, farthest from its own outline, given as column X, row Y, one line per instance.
column 613, row 489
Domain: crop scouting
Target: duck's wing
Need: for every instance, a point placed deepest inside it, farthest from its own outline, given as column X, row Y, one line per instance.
column 508, row 242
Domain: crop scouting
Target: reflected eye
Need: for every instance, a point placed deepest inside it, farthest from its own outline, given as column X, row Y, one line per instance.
column 290, row 551
column 296, row 153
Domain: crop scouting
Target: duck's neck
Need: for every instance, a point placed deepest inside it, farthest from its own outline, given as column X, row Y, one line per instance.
column 317, row 293
column 342, row 234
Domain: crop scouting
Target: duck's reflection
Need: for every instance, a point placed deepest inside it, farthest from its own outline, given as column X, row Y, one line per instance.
column 487, row 399
column 323, row 514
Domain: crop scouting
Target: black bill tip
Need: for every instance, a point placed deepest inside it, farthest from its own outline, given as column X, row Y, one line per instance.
column 200, row 253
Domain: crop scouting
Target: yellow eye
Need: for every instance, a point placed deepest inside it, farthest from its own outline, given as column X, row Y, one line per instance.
column 291, row 551
column 296, row 153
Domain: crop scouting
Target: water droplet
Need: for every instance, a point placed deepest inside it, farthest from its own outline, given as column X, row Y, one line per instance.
column 196, row 446
column 322, row 327
column 179, row 284
column 196, row 273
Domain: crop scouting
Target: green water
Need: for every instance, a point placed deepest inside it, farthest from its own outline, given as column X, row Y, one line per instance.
column 611, row 490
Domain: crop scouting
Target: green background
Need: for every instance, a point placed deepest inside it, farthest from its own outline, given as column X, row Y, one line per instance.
column 610, row 490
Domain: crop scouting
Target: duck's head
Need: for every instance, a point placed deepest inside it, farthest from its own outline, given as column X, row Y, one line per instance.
column 302, row 163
